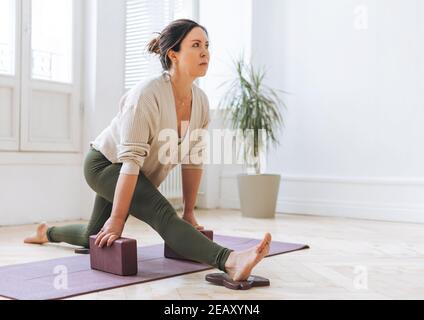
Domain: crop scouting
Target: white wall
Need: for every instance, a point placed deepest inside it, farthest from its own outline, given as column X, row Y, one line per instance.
column 352, row 145
column 38, row 189
column 229, row 27
column 103, row 74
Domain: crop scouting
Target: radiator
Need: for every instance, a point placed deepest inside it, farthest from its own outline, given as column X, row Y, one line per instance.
column 171, row 187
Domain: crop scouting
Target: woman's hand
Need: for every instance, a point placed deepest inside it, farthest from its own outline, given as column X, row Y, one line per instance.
column 111, row 231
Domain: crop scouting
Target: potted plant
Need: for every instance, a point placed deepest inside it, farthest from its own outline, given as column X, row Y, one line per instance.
column 252, row 110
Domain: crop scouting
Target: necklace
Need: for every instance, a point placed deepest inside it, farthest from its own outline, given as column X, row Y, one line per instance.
column 181, row 112
column 184, row 99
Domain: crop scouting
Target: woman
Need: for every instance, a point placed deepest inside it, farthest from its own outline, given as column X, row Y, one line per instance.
column 126, row 162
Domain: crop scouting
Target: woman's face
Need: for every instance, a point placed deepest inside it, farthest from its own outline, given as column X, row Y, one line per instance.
column 193, row 57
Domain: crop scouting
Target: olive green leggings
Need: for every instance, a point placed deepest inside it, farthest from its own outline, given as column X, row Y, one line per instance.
column 148, row 205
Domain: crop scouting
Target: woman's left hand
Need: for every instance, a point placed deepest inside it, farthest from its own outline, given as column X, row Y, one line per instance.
column 112, row 230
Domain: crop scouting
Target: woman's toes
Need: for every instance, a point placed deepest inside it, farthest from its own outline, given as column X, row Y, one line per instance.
column 32, row 239
column 264, row 243
column 40, row 235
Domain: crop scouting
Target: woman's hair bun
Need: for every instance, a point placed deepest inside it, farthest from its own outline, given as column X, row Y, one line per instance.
column 153, row 46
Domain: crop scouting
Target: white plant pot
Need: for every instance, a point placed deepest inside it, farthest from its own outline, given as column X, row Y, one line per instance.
column 258, row 194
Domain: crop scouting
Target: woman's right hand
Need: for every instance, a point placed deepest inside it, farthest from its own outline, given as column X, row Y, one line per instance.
column 112, row 230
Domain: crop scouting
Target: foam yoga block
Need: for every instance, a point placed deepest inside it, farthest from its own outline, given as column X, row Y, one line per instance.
column 120, row 258
column 169, row 253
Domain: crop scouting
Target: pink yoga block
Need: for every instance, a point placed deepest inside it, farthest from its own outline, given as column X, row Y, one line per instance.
column 120, row 258
column 169, row 253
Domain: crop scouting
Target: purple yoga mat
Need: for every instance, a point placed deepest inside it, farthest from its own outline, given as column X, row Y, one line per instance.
column 71, row 276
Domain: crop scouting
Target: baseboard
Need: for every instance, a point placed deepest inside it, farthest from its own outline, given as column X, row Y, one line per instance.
column 342, row 209
column 356, row 210
column 384, row 199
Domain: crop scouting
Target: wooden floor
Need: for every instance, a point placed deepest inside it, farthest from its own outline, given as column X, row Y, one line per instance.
column 348, row 259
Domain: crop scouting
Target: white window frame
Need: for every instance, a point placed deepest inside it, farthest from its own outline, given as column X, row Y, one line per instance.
column 12, row 82
column 20, row 148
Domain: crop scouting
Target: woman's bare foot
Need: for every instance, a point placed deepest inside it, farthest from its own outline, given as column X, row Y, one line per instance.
column 239, row 264
column 192, row 220
column 40, row 236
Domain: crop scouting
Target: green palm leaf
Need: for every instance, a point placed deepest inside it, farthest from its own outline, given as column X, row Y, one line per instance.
column 248, row 104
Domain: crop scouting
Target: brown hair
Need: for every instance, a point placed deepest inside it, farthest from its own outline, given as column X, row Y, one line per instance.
column 171, row 38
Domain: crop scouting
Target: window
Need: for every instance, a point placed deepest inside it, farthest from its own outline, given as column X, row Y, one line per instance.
column 7, row 37
column 51, row 40
column 143, row 19
column 39, row 75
